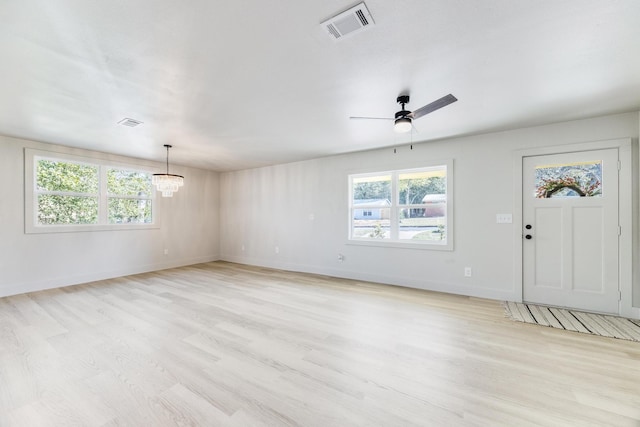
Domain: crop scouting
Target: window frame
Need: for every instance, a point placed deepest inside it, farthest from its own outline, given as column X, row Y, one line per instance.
column 31, row 194
column 114, row 196
column 95, row 195
column 396, row 206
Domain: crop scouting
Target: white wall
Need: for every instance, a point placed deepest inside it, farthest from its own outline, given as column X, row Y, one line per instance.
column 271, row 206
column 189, row 228
column 213, row 216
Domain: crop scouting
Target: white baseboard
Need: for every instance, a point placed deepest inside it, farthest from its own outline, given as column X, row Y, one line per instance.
column 409, row 282
column 452, row 288
column 59, row 282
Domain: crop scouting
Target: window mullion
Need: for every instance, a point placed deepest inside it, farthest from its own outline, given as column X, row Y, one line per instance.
column 103, row 204
column 393, row 220
column 65, row 193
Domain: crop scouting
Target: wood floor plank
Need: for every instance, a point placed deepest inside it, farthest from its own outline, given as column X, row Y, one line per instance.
column 231, row 345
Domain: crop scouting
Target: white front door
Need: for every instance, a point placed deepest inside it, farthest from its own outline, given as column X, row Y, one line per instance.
column 570, row 230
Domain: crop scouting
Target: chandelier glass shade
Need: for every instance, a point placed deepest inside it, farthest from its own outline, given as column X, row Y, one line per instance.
column 167, row 183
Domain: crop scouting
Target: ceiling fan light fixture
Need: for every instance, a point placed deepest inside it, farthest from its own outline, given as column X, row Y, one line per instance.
column 403, row 121
column 402, row 125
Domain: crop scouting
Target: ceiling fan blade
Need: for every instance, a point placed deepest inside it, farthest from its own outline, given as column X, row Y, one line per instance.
column 371, row 118
column 435, row 105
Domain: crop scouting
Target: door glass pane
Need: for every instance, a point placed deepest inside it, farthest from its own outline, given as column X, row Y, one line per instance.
column 583, row 179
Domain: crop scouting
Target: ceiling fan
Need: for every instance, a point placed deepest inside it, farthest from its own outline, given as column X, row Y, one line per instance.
column 403, row 120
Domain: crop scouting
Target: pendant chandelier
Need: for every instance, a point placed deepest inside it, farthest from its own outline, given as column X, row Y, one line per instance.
column 166, row 182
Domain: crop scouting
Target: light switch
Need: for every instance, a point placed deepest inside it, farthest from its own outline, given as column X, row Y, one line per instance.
column 504, row 218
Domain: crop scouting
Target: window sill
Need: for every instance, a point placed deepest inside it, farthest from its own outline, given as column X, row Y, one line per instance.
column 45, row 229
column 402, row 245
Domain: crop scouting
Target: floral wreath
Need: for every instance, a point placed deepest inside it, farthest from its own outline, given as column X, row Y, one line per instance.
column 551, row 186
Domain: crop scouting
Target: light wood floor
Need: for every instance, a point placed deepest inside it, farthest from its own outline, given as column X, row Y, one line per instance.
column 221, row 344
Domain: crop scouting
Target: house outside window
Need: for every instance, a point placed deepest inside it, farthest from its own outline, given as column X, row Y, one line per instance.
column 407, row 207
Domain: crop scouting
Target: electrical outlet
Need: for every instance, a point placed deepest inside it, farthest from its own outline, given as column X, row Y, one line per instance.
column 340, row 257
column 166, row 251
column 467, row 272
column 242, row 248
column 277, row 249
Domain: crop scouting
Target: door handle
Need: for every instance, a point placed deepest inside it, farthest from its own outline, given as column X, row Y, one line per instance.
column 528, row 237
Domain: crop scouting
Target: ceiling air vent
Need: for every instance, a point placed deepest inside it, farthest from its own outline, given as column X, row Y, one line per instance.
column 129, row 122
column 349, row 22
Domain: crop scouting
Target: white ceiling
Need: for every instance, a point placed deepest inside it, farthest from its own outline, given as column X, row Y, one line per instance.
column 240, row 84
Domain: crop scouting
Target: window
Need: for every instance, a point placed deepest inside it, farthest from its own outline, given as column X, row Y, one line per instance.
column 409, row 207
column 129, row 196
column 66, row 192
column 71, row 193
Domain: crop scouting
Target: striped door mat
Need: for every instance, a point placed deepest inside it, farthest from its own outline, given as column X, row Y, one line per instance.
column 572, row 320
